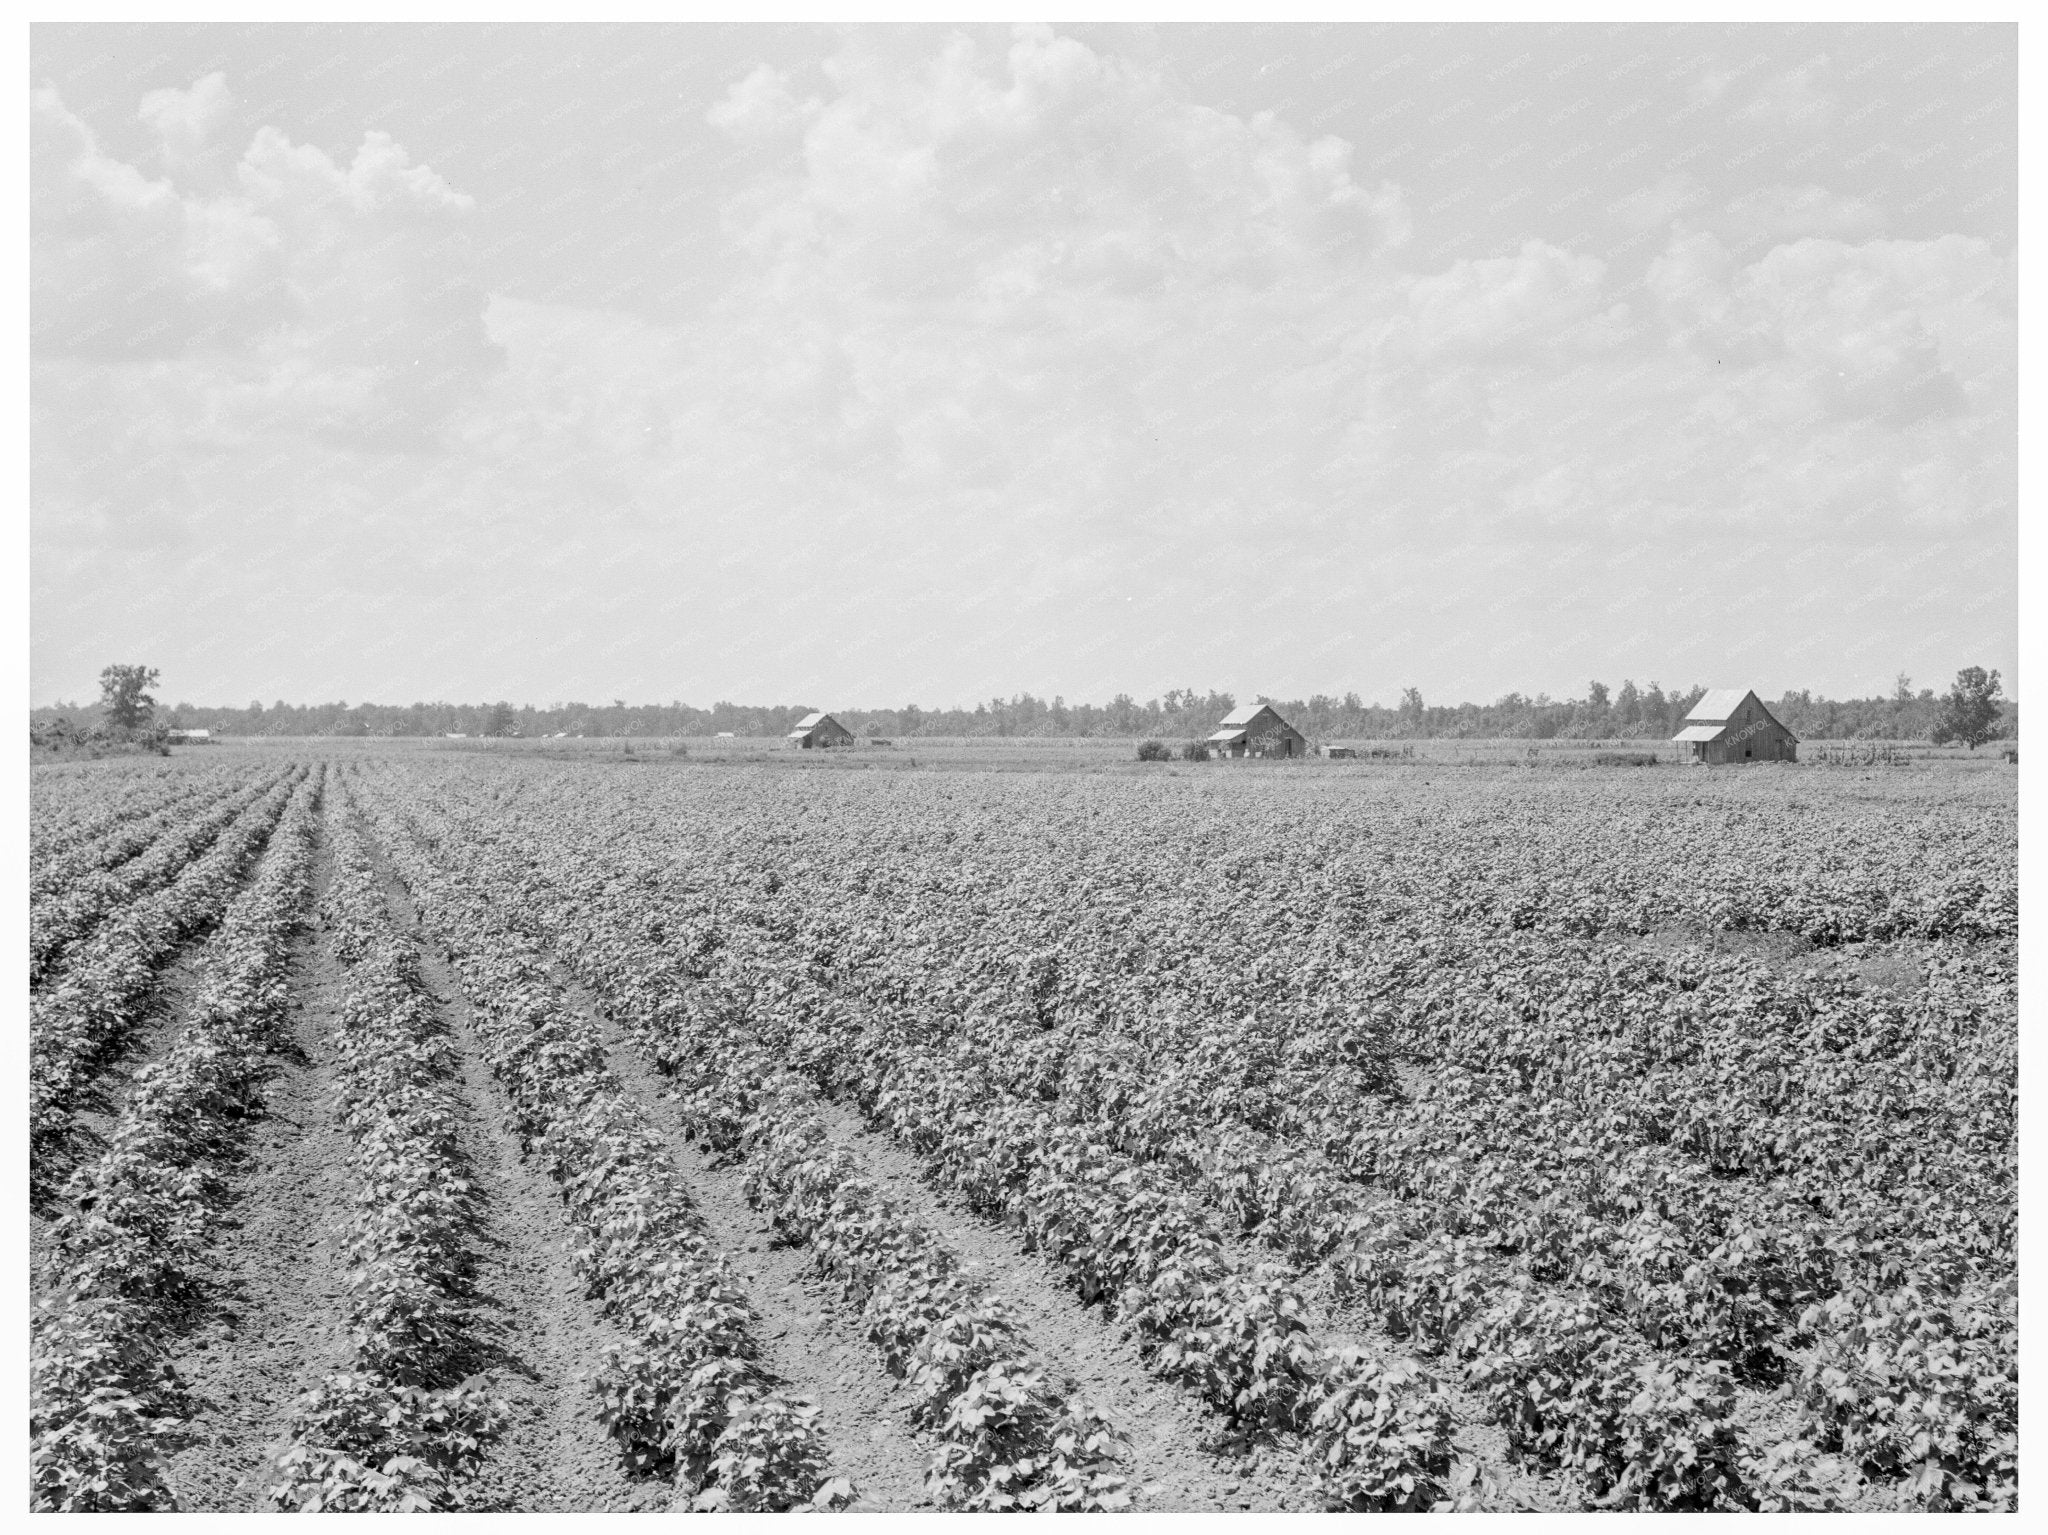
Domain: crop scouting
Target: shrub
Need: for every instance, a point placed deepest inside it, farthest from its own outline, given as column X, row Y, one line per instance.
column 66, row 739
column 1153, row 751
column 1195, row 751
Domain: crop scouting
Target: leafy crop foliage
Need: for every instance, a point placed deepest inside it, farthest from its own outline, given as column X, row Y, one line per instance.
column 139, row 1221
column 1663, row 1126
column 1528, row 1074
column 686, row 1396
column 404, row 1429
column 108, row 981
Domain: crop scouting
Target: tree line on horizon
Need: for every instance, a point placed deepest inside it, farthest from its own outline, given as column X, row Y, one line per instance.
column 1627, row 713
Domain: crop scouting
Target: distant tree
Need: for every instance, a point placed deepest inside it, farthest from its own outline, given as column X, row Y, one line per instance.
column 1970, row 711
column 1902, row 689
column 1596, row 696
column 1413, row 710
column 124, row 692
column 1628, row 703
column 1657, row 708
column 501, row 721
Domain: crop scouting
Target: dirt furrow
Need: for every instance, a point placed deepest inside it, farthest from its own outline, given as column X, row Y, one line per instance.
column 101, row 1105
column 272, row 1319
column 1181, row 1453
column 1100, row 1354
column 809, row 1336
column 540, row 1334
column 176, row 987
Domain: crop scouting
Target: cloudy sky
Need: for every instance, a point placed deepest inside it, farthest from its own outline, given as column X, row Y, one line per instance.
column 861, row 367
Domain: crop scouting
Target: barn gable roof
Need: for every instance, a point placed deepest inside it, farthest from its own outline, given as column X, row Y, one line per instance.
column 1717, row 705
column 815, row 717
column 1244, row 714
column 1716, row 708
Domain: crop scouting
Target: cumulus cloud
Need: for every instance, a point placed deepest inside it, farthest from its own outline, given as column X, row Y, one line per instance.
column 760, row 106
column 1755, row 219
column 186, row 122
column 1802, row 98
column 1491, row 308
column 336, row 297
column 1779, row 213
column 1671, row 196
column 1006, row 336
column 1002, row 180
column 1893, row 330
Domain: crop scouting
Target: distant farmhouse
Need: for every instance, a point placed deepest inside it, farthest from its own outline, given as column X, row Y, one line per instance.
column 1254, row 730
column 819, row 729
column 1732, row 725
column 190, row 736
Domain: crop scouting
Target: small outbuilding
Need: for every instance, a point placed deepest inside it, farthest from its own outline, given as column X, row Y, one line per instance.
column 820, row 729
column 1732, row 725
column 192, row 736
column 1255, row 730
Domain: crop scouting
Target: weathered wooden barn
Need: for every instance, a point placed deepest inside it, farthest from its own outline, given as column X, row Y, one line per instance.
column 820, row 729
column 1255, row 730
column 1732, row 725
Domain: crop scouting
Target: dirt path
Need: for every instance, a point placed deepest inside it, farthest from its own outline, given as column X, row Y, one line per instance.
column 541, row 1332
column 274, row 1318
column 1179, row 1453
column 809, row 1336
column 100, row 1106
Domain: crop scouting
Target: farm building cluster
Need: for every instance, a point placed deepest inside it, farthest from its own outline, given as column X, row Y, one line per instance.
column 1726, row 725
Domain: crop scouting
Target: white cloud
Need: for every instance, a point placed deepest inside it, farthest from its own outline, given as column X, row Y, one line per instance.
column 186, row 122
column 1800, row 98
column 1772, row 215
column 1893, row 330
column 337, row 298
column 1656, row 205
column 1489, row 308
column 1007, row 336
column 760, row 106
column 1050, row 169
